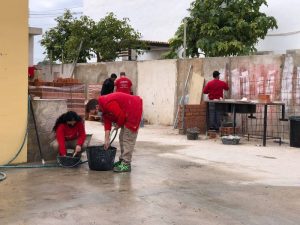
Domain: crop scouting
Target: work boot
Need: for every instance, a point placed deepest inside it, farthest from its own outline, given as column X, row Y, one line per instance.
column 122, row 167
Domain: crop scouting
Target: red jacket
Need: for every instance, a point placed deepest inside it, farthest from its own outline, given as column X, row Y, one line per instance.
column 214, row 89
column 123, row 84
column 67, row 133
column 123, row 109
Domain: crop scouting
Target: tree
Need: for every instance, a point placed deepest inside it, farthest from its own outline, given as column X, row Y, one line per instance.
column 223, row 28
column 62, row 41
column 105, row 38
column 111, row 35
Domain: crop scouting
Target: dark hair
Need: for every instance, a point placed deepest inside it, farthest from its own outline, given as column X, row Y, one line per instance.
column 113, row 75
column 216, row 74
column 64, row 118
column 122, row 74
column 91, row 105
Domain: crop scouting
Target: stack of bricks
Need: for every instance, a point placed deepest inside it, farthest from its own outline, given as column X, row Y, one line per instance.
column 225, row 131
column 71, row 91
column 94, row 91
column 194, row 116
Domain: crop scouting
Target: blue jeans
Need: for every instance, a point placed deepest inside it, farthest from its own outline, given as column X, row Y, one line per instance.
column 215, row 117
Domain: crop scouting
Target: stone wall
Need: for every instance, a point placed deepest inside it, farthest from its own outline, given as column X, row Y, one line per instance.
column 46, row 112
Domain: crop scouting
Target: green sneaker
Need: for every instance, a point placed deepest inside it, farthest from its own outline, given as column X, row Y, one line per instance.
column 117, row 163
column 122, row 167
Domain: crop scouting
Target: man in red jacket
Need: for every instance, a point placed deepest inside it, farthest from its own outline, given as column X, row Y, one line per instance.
column 123, row 84
column 214, row 89
column 126, row 111
column 70, row 134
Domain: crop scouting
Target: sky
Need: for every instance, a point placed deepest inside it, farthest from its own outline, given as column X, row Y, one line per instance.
column 155, row 20
column 42, row 14
column 158, row 20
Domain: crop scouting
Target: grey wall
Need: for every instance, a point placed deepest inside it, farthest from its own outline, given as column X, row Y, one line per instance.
column 157, row 87
column 46, row 112
column 160, row 81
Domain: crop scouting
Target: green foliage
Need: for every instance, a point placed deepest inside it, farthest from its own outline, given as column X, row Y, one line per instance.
column 62, row 42
column 111, row 36
column 105, row 38
column 223, row 28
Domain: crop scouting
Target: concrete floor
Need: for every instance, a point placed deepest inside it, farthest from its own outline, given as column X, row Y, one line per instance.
column 173, row 181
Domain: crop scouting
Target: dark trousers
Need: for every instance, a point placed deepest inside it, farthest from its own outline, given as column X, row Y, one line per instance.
column 215, row 117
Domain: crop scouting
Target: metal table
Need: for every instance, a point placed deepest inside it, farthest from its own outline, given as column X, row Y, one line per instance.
column 249, row 107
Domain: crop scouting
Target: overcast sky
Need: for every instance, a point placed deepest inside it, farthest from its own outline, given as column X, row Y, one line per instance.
column 42, row 14
column 158, row 20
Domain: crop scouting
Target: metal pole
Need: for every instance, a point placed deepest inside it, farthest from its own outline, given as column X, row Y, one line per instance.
column 51, row 63
column 62, row 62
column 265, row 124
column 184, row 38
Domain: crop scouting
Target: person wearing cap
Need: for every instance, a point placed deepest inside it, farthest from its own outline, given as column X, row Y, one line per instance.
column 214, row 89
column 108, row 85
column 123, row 84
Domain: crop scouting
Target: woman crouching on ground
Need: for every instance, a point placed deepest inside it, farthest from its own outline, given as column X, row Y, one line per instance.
column 70, row 134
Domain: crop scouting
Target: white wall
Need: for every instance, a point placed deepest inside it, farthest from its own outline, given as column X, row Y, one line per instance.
column 157, row 86
column 151, row 55
column 30, row 50
column 33, row 31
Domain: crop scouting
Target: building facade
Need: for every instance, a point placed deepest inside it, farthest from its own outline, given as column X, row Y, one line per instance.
column 14, row 80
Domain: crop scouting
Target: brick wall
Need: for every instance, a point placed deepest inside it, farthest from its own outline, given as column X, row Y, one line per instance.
column 94, row 91
column 195, row 116
column 73, row 93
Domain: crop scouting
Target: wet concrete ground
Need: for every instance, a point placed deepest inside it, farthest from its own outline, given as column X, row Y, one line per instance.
column 167, row 185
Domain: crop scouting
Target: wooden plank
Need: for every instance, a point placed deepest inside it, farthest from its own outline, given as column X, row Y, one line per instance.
column 196, row 87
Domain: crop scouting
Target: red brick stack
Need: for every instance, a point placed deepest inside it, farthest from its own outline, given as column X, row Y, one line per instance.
column 71, row 90
column 225, row 131
column 94, row 91
column 195, row 116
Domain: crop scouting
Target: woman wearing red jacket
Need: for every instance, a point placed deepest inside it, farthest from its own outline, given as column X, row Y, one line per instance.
column 126, row 112
column 70, row 133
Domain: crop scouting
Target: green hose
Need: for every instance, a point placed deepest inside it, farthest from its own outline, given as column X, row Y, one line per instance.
column 50, row 165
column 3, row 175
column 31, row 166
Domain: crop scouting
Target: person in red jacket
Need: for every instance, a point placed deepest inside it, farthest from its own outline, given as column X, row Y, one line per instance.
column 214, row 89
column 70, row 134
column 123, row 84
column 126, row 112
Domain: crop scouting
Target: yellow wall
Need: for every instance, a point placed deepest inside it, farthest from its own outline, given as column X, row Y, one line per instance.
column 13, row 78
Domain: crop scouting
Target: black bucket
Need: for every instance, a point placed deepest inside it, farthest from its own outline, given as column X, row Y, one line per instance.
column 68, row 161
column 100, row 159
column 295, row 131
column 192, row 133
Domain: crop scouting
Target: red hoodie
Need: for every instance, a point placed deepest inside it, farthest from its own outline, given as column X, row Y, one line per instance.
column 214, row 89
column 123, row 109
column 65, row 132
